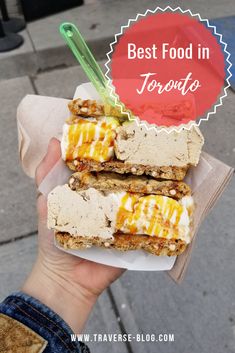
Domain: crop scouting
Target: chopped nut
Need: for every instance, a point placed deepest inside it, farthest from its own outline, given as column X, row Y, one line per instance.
column 172, row 247
column 154, row 174
column 172, row 192
column 133, row 170
column 71, row 181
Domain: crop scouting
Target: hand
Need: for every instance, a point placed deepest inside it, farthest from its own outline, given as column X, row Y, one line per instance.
column 67, row 284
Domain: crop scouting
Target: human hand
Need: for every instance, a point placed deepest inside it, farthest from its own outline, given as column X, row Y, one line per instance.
column 67, row 284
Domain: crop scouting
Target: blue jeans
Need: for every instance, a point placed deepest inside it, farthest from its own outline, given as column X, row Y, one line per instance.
column 42, row 320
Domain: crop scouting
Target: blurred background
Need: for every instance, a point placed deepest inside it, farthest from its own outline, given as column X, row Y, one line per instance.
column 201, row 310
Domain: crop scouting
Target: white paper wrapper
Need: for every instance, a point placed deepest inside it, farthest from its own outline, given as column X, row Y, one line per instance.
column 41, row 118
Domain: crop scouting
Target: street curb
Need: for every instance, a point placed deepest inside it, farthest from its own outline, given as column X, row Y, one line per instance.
column 127, row 317
column 33, row 62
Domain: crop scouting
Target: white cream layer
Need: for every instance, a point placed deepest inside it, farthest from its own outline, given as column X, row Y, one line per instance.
column 92, row 213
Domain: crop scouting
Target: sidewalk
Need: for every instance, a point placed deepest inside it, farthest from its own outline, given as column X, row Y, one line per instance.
column 44, row 49
column 200, row 311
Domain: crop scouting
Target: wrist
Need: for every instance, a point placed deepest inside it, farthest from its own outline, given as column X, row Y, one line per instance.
column 65, row 298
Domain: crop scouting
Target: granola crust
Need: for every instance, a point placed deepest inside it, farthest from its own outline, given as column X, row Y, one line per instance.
column 108, row 181
column 86, row 107
column 124, row 242
column 170, row 173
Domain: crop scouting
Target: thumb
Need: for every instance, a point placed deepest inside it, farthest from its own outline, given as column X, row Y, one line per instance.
column 52, row 156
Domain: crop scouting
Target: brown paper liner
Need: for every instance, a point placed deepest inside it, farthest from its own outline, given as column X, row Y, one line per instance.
column 205, row 198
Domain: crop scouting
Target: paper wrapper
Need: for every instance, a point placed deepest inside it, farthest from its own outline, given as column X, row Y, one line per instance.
column 41, row 118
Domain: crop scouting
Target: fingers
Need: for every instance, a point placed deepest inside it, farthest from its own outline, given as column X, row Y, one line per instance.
column 52, row 156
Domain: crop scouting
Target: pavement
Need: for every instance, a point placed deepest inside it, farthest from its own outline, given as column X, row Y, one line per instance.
column 201, row 310
column 44, row 49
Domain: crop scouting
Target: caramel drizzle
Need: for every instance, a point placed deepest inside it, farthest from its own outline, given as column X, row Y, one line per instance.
column 91, row 140
column 151, row 215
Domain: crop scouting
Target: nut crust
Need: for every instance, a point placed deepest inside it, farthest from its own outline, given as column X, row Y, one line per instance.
column 124, row 242
column 170, row 173
column 86, row 107
column 108, row 181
